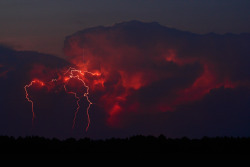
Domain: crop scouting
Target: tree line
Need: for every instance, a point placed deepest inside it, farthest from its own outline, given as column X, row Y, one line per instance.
column 161, row 144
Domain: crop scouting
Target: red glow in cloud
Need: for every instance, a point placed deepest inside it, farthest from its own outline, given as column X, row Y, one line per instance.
column 146, row 67
column 133, row 81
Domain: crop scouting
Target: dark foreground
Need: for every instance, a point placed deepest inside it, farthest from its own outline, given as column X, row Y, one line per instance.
column 225, row 145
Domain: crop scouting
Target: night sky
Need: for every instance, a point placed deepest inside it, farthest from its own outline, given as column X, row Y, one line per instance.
column 112, row 68
column 42, row 25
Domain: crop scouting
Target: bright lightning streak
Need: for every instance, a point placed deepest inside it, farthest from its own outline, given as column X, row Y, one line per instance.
column 72, row 70
column 27, row 96
column 78, row 105
column 71, row 73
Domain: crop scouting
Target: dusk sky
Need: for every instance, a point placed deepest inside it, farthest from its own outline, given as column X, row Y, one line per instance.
column 114, row 68
column 42, row 25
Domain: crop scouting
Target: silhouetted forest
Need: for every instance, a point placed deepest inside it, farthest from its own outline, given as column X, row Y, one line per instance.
column 161, row 144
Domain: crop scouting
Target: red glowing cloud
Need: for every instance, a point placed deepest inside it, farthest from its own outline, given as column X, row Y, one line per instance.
column 146, row 67
column 142, row 78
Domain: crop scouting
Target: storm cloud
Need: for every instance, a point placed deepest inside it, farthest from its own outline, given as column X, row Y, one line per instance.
column 149, row 68
column 154, row 80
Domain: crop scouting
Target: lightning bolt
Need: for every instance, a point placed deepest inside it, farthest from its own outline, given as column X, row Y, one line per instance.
column 28, row 98
column 72, row 74
column 78, row 105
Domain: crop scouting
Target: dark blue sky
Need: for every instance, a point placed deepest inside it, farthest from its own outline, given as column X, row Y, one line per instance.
column 42, row 25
